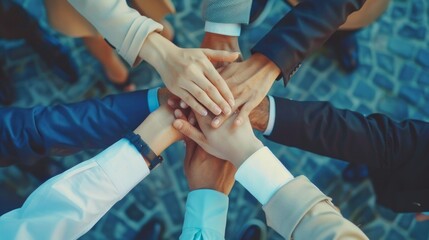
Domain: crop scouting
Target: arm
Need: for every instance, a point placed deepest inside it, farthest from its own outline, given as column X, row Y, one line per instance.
column 68, row 205
column 304, row 29
column 210, row 181
column 187, row 73
column 323, row 129
column 264, row 176
column 68, row 128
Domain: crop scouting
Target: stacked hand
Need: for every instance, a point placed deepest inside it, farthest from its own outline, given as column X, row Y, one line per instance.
column 190, row 74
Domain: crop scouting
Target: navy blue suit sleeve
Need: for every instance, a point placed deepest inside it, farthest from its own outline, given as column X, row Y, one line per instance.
column 375, row 140
column 302, row 30
column 29, row 134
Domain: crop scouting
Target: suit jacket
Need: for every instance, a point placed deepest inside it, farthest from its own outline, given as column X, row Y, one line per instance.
column 29, row 134
column 307, row 215
column 304, row 29
column 397, row 153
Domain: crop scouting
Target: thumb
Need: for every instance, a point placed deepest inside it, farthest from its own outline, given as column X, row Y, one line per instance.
column 221, row 56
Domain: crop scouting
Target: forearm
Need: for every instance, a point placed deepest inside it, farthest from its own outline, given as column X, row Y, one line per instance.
column 68, row 205
column 311, row 209
column 67, row 128
column 305, row 28
column 121, row 25
column 375, row 140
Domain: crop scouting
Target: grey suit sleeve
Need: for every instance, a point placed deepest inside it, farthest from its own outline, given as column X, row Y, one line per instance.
column 307, row 215
column 227, row 11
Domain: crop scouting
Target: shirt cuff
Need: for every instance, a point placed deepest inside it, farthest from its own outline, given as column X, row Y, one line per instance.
column 124, row 165
column 262, row 174
column 271, row 117
column 229, row 29
column 206, row 209
column 152, row 99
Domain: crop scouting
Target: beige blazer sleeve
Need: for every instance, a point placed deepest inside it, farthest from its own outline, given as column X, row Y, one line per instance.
column 299, row 210
column 121, row 25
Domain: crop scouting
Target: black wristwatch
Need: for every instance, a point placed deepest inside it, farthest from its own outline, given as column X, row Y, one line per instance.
column 144, row 150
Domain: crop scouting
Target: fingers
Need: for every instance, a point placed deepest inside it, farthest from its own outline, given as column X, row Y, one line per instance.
column 243, row 114
column 222, row 90
column 221, row 56
column 204, row 99
column 218, row 121
column 194, row 104
column 190, row 131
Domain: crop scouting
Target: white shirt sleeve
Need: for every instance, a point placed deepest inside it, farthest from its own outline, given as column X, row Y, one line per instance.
column 121, row 25
column 262, row 174
column 271, row 117
column 228, row 29
column 68, row 205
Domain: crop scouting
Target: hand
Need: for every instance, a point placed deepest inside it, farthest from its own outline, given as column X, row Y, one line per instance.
column 157, row 131
column 204, row 171
column 189, row 74
column 250, row 82
column 221, row 42
column 234, row 144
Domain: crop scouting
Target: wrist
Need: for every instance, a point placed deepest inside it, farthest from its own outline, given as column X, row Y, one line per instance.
column 163, row 95
column 260, row 115
column 155, row 50
column 246, row 151
column 157, row 130
column 265, row 65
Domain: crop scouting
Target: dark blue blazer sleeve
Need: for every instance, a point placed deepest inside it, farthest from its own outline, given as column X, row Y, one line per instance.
column 375, row 140
column 302, row 30
column 29, row 134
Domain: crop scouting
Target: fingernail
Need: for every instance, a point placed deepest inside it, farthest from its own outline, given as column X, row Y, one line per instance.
column 183, row 105
column 231, row 102
column 238, row 122
column 178, row 124
column 218, row 110
column 227, row 110
column 192, row 121
column 177, row 113
column 170, row 102
column 216, row 122
column 204, row 112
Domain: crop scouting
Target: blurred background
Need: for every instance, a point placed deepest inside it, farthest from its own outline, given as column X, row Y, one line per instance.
column 391, row 77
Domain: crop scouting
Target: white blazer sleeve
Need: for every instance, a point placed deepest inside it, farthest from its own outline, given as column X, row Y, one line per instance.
column 121, row 25
column 68, row 205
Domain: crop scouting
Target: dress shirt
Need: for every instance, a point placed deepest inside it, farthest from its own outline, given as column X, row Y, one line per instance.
column 271, row 117
column 152, row 99
column 262, row 174
column 228, row 29
column 121, row 25
column 205, row 215
column 68, row 205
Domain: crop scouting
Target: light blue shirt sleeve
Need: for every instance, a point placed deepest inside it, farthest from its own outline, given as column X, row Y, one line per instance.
column 68, row 205
column 271, row 117
column 229, row 29
column 152, row 99
column 205, row 215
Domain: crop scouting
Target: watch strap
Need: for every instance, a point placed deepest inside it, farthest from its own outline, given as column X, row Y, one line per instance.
column 144, row 149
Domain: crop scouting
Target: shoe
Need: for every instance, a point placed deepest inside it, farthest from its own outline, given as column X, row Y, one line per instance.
column 254, row 230
column 7, row 91
column 43, row 169
column 345, row 46
column 152, row 230
column 355, row 172
column 17, row 23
